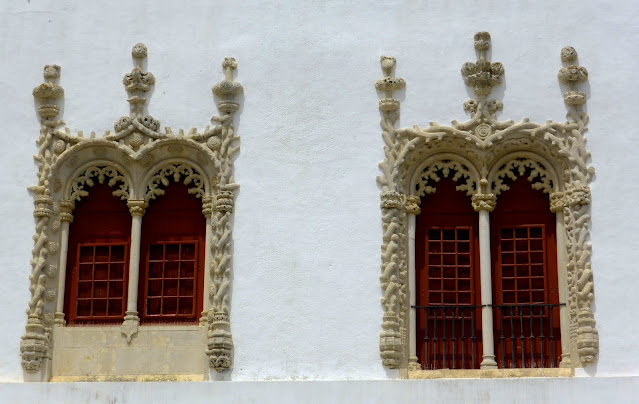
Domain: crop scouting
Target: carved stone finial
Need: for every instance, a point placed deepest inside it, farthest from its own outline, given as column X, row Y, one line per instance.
column 139, row 51
column 389, row 84
column 482, row 75
column 571, row 75
column 568, row 54
column 47, row 92
column 137, row 83
column 228, row 89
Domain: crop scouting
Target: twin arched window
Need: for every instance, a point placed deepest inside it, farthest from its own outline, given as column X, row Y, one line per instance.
column 171, row 258
column 523, row 280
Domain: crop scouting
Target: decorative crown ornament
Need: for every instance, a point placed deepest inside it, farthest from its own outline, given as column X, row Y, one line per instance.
column 482, row 75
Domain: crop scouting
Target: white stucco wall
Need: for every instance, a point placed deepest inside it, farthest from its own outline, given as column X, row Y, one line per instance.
column 305, row 300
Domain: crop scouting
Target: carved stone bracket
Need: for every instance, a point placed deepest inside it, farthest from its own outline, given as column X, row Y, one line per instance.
column 482, row 155
column 202, row 159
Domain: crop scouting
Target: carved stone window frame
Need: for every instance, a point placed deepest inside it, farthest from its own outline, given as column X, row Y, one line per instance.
column 480, row 154
column 137, row 160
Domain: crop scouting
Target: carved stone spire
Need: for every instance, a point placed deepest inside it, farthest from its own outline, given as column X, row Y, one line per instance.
column 572, row 74
column 482, row 75
column 137, row 127
column 48, row 92
column 228, row 89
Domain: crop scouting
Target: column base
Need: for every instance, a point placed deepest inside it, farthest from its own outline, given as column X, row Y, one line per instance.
column 413, row 364
column 488, row 362
column 59, row 319
column 565, row 361
column 130, row 325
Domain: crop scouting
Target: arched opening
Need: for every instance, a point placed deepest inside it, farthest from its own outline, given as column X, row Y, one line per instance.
column 525, row 280
column 448, row 323
column 172, row 257
column 97, row 258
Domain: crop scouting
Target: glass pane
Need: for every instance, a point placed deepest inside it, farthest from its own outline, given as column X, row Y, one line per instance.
column 186, row 287
column 449, row 246
column 506, row 233
column 100, row 307
column 169, row 305
column 102, row 254
column 507, row 245
column 521, row 232
column 116, row 289
column 449, row 259
column 86, row 254
column 434, row 234
column 153, row 306
column 171, row 269
column 536, row 245
column 170, row 287
column 449, row 284
column 463, row 247
column 522, row 245
column 536, row 232
column 186, row 306
column 117, row 271
column 188, row 251
column 434, row 259
column 448, row 234
column 157, row 252
column 86, row 272
column 155, row 288
column 84, row 289
column 155, row 269
column 101, row 272
column 115, row 307
column 100, row 289
column 172, row 252
column 463, row 259
column 463, row 234
column 84, row 308
column 117, row 253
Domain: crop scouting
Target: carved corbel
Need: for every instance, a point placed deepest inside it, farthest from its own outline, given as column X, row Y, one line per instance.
column 484, row 202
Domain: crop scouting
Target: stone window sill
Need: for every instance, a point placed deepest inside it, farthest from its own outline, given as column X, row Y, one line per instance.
column 488, row 373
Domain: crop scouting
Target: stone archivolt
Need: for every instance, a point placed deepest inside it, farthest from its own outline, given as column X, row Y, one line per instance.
column 481, row 154
column 136, row 160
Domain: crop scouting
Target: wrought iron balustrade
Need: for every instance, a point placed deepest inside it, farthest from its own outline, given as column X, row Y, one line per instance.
column 525, row 336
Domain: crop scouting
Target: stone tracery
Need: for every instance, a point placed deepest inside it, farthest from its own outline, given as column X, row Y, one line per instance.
column 485, row 142
column 135, row 144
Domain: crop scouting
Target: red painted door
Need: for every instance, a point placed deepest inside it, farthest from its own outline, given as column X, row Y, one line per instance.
column 447, row 280
column 97, row 259
column 525, row 286
column 172, row 257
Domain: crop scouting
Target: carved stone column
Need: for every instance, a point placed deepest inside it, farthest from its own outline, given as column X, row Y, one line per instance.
column 131, row 319
column 411, row 206
column 484, row 204
column 207, row 210
column 66, row 218
column 557, row 204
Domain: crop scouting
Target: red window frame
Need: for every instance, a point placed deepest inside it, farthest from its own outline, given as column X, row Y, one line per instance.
column 525, row 273
column 174, row 218
column 438, row 281
column 172, row 282
column 107, row 287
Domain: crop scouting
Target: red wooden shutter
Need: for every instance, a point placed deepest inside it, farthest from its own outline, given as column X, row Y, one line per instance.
column 98, row 255
column 447, row 280
column 172, row 252
column 525, row 285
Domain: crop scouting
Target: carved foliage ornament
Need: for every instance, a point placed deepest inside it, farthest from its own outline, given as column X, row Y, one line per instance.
column 136, row 142
column 505, row 149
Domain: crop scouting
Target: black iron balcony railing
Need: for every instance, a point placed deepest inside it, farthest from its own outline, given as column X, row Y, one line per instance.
column 524, row 336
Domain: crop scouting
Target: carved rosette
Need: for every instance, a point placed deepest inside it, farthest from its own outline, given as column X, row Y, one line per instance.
column 135, row 136
column 483, row 142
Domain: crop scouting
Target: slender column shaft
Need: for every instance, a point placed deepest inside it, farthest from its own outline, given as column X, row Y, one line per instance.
column 207, row 267
column 564, row 313
column 62, row 271
column 488, row 357
column 412, row 336
column 66, row 217
column 134, row 264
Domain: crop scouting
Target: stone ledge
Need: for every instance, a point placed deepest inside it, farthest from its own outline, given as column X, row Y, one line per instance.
column 488, row 373
column 130, row 378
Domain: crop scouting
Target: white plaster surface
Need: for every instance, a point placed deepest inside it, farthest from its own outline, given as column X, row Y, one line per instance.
column 618, row 390
column 306, row 293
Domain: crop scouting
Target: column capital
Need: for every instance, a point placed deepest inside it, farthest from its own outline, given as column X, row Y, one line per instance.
column 66, row 207
column 558, row 201
column 207, row 206
column 411, row 204
column 484, row 202
column 137, row 207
